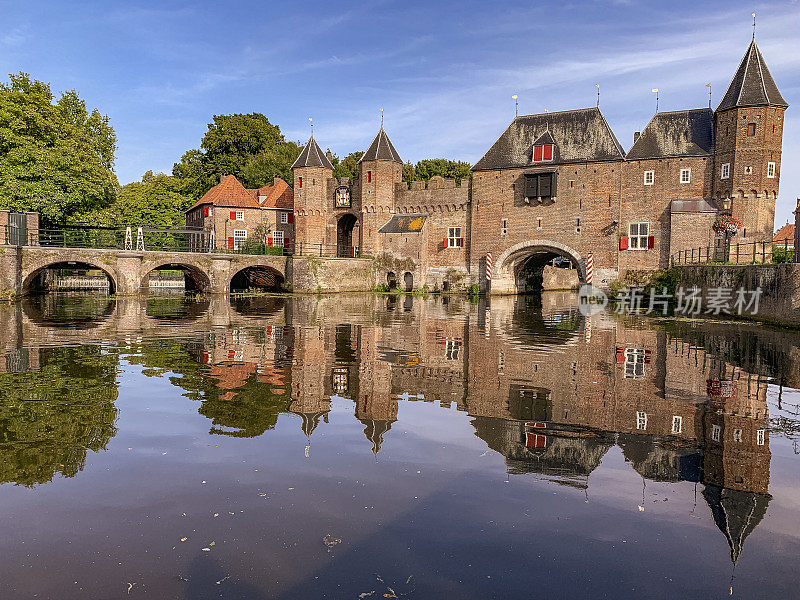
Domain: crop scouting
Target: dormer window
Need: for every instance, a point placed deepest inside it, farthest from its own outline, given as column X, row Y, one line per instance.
column 543, row 153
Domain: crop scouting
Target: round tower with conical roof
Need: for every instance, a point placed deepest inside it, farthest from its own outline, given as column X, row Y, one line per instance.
column 749, row 138
column 312, row 173
column 381, row 170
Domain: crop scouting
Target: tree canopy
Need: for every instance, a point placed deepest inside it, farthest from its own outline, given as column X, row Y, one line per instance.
column 156, row 201
column 56, row 157
column 449, row 169
column 247, row 146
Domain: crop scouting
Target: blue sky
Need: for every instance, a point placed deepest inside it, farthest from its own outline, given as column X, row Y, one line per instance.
column 444, row 72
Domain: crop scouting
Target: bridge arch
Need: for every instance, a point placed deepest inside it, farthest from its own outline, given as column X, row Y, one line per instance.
column 511, row 265
column 35, row 279
column 195, row 277
column 262, row 277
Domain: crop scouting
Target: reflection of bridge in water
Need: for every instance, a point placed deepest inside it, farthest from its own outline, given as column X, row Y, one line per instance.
column 552, row 394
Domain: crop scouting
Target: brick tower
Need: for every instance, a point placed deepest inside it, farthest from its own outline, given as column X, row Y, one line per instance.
column 749, row 132
column 312, row 170
column 381, row 169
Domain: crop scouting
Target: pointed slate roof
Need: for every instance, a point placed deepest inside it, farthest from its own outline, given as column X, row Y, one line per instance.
column 752, row 85
column 312, row 156
column 228, row 193
column 736, row 513
column 678, row 133
column 578, row 136
column 381, row 148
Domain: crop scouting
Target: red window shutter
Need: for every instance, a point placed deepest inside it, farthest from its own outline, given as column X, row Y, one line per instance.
column 620, row 355
column 205, row 211
column 291, row 218
column 533, row 440
column 537, row 153
column 299, row 182
column 233, row 215
column 647, row 357
column 548, row 152
column 651, row 241
column 623, row 242
column 269, row 241
column 461, row 242
column 369, row 176
column 446, row 243
column 230, row 242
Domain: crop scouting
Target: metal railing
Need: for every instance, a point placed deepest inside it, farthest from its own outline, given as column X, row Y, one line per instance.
column 750, row 253
column 166, row 240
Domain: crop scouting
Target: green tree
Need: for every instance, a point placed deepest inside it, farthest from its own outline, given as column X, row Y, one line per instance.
column 347, row 167
column 262, row 168
column 247, row 146
column 449, row 169
column 56, row 158
column 155, row 201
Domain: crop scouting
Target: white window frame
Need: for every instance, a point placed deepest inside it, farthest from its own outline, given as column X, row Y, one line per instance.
column 454, row 239
column 634, row 363
column 737, row 435
column 677, row 424
column 649, row 177
column 638, row 236
column 277, row 239
column 760, row 437
column 686, row 176
column 771, row 170
column 284, row 218
column 641, row 420
column 452, row 349
column 240, row 215
column 716, row 432
column 239, row 237
column 725, row 171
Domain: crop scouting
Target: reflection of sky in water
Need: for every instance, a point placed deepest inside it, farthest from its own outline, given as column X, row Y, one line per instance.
column 264, row 439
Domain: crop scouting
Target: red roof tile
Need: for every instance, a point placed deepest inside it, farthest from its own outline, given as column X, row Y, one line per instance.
column 228, row 192
column 785, row 233
column 277, row 195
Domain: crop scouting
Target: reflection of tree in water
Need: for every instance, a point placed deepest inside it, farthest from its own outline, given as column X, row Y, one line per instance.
column 49, row 418
column 75, row 312
column 234, row 395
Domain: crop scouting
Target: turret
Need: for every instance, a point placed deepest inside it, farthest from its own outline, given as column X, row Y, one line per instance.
column 381, row 169
column 312, row 171
column 749, row 133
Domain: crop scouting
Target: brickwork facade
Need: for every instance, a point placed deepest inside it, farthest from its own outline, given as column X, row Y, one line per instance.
column 554, row 189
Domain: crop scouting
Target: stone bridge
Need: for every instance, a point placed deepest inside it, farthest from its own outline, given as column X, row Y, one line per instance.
column 128, row 271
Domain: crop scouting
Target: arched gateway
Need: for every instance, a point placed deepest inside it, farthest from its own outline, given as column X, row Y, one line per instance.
column 515, row 266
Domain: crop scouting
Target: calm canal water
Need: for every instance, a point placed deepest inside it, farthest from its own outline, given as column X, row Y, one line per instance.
column 373, row 447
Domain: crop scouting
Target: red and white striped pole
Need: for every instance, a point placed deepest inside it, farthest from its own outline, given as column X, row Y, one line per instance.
column 489, row 266
column 589, row 268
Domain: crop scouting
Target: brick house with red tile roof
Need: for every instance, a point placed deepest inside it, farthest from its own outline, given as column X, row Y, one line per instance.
column 234, row 214
column 785, row 235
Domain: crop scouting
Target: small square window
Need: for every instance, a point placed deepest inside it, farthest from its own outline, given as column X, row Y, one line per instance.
column 677, row 424
column 771, row 170
column 641, row 420
column 760, row 437
column 454, row 239
column 686, row 175
column 543, row 153
column 638, row 234
column 725, row 173
column 649, row 177
column 452, row 349
column 716, row 430
column 240, row 215
column 284, row 218
column 634, row 363
column 277, row 239
column 748, row 170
